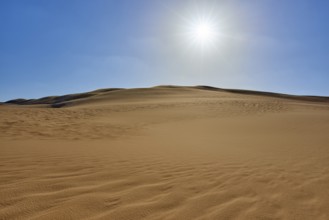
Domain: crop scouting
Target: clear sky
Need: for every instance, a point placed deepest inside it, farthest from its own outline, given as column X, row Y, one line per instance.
column 55, row 47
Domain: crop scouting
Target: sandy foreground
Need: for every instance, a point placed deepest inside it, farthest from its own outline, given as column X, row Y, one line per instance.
column 166, row 153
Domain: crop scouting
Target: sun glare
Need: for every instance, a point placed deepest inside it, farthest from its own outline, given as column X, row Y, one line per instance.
column 203, row 33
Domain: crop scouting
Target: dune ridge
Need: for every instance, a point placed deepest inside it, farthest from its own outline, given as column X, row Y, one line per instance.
column 166, row 152
column 60, row 101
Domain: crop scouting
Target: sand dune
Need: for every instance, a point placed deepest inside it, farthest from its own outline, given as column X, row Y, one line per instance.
column 165, row 152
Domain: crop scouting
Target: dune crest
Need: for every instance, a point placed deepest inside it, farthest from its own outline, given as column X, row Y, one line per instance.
column 61, row 101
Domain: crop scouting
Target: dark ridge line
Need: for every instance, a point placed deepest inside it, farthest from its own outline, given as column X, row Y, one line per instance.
column 59, row 101
column 64, row 100
column 268, row 94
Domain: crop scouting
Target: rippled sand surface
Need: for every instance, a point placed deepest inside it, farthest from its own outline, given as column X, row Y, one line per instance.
column 166, row 153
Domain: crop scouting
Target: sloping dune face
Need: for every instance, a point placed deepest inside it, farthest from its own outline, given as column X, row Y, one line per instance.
column 165, row 153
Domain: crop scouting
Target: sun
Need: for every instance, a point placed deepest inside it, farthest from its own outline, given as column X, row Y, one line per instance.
column 203, row 33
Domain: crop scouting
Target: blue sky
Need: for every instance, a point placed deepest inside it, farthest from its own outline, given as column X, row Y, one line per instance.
column 56, row 47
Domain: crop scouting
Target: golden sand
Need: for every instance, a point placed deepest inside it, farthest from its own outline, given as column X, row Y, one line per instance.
column 166, row 153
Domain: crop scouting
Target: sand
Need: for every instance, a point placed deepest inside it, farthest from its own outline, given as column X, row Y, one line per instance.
column 165, row 153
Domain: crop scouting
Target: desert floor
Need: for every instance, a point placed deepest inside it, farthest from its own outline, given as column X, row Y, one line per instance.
column 166, row 153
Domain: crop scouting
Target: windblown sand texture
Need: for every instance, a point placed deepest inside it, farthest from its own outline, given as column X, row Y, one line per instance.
column 165, row 153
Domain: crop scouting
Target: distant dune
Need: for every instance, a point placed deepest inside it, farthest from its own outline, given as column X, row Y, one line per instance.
column 166, row 152
column 61, row 101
